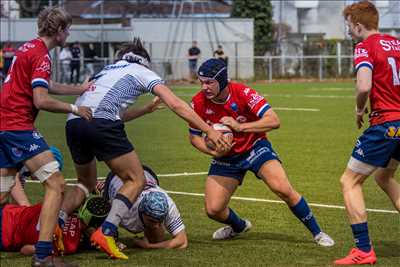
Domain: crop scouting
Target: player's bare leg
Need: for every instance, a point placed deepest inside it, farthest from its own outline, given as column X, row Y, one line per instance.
column 7, row 182
column 384, row 177
column 218, row 192
column 274, row 176
column 45, row 168
column 351, row 183
column 87, row 177
column 129, row 169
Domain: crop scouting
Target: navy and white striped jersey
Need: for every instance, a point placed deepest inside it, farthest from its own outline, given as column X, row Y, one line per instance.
column 116, row 87
column 132, row 222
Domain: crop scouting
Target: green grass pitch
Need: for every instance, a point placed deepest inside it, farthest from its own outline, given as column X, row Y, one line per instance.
column 314, row 141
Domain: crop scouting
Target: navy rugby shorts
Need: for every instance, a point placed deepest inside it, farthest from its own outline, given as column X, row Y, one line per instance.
column 378, row 144
column 236, row 166
column 100, row 138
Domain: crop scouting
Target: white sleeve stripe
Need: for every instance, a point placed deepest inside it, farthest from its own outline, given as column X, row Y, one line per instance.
column 262, row 108
column 176, row 221
column 39, row 80
column 172, row 227
column 364, row 62
column 154, row 83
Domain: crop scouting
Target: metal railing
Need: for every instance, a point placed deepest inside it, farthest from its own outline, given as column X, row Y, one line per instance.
column 269, row 68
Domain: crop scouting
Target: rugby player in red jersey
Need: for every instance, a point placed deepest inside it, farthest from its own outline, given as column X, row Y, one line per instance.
column 25, row 91
column 250, row 116
column 377, row 65
column 19, row 230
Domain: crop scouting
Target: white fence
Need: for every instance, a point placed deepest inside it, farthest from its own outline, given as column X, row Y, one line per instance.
column 317, row 67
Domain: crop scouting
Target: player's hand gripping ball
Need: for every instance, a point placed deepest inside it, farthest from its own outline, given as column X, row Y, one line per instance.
column 225, row 130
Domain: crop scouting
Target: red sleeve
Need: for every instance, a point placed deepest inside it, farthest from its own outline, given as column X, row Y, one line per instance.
column 257, row 104
column 362, row 57
column 41, row 71
column 197, row 107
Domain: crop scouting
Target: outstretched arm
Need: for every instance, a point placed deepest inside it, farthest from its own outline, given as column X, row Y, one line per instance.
column 65, row 89
column 134, row 113
column 18, row 193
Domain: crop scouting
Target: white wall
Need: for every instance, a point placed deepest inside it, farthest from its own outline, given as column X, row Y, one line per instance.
column 167, row 39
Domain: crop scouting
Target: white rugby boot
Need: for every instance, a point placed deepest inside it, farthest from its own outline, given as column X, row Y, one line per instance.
column 227, row 232
column 324, row 240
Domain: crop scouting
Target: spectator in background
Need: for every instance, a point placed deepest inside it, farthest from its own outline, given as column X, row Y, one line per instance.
column 220, row 54
column 65, row 62
column 193, row 56
column 75, row 62
column 90, row 57
column 8, row 54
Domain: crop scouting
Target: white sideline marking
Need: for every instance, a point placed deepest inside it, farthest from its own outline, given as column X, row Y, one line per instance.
column 309, row 96
column 238, row 198
column 290, row 95
column 297, row 109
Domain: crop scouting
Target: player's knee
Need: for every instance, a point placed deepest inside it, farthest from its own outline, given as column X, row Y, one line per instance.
column 213, row 211
column 55, row 183
column 136, row 178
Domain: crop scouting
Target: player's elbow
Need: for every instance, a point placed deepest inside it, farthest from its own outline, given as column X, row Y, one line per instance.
column 363, row 86
column 276, row 123
column 40, row 103
column 182, row 241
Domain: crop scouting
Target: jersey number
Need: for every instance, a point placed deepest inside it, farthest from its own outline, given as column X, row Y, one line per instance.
column 396, row 73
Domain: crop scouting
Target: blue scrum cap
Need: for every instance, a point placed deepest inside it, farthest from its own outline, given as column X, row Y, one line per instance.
column 155, row 205
column 214, row 69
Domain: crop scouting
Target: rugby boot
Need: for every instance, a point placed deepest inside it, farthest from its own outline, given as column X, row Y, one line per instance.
column 227, row 232
column 107, row 244
column 358, row 257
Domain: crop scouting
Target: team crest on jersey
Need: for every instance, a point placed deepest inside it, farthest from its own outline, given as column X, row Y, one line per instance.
column 360, row 52
column 16, row 151
column 234, row 107
column 393, row 132
column 246, row 91
column 254, row 99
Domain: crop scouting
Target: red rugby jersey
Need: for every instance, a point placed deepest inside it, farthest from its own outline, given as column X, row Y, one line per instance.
column 31, row 67
column 381, row 53
column 243, row 104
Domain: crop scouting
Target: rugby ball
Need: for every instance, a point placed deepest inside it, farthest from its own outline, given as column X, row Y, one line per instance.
column 225, row 130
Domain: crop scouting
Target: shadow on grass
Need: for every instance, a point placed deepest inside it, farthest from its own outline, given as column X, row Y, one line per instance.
column 388, row 249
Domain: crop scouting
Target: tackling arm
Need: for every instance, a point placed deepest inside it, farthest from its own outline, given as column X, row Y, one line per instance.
column 183, row 110
column 64, row 89
column 18, row 193
column 134, row 113
column 42, row 100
